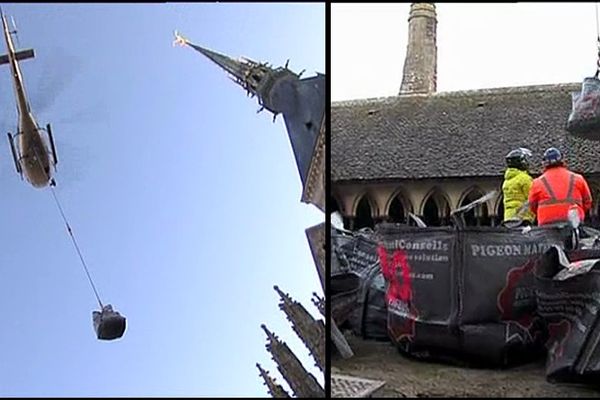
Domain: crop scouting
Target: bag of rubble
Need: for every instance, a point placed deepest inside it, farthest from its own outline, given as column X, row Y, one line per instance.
column 463, row 296
column 344, row 289
column 108, row 323
column 568, row 299
column 369, row 319
column 353, row 260
column 497, row 308
column 584, row 120
column 355, row 253
column 420, row 271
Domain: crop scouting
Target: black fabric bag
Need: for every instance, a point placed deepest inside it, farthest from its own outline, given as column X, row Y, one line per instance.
column 356, row 285
column 464, row 294
column 568, row 298
column 344, row 289
column 108, row 324
column 374, row 320
column 420, row 269
column 369, row 319
column 356, row 253
column 584, row 120
column 497, row 313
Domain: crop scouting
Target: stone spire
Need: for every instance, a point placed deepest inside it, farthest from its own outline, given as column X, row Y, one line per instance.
column 309, row 330
column 302, row 383
column 275, row 389
column 281, row 91
column 420, row 65
column 258, row 79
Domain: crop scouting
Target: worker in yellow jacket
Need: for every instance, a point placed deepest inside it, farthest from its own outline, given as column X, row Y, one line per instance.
column 516, row 185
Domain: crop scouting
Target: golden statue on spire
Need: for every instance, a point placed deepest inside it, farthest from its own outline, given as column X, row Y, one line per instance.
column 179, row 40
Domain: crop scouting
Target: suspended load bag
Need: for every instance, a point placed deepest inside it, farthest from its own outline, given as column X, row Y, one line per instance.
column 109, row 324
column 584, row 120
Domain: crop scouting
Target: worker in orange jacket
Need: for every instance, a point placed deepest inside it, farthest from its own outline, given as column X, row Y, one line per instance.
column 557, row 190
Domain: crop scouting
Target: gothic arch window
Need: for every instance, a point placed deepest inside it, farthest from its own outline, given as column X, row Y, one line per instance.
column 436, row 208
column 479, row 215
column 398, row 209
column 364, row 214
column 335, row 206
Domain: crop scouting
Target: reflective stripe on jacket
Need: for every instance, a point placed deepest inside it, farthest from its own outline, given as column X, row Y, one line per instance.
column 553, row 193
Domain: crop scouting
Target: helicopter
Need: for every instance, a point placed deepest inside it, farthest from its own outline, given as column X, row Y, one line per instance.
column 34, row 155
column 32, row 147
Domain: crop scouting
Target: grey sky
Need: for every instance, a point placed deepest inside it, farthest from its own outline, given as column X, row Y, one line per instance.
column 479, row 46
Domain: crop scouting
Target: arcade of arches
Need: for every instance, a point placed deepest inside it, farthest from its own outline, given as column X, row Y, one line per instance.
column 366, row 205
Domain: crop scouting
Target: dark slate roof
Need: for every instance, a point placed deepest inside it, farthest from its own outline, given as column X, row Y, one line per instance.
column 454, row 134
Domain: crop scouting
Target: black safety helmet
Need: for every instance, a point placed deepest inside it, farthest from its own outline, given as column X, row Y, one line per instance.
column 518, row 158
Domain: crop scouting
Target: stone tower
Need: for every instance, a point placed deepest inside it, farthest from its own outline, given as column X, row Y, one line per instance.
column 420, row 65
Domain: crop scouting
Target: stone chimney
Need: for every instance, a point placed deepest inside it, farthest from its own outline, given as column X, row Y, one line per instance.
column 420, row 65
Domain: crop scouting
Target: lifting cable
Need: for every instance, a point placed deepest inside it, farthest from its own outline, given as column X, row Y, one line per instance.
column 76, row 246
column 60, row 209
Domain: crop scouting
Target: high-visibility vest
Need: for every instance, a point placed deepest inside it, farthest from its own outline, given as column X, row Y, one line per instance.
column 556, row 207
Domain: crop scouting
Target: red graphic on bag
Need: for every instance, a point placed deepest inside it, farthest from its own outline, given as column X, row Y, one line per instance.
column 397, row 290
column 399, row 293
column 507, row 296
column 517, row 312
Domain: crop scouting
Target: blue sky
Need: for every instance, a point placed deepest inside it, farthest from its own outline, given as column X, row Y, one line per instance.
column 184, row 201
